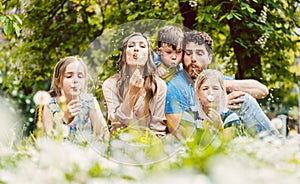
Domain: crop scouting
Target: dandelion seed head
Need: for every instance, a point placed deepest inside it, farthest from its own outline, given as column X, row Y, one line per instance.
column 41, row 98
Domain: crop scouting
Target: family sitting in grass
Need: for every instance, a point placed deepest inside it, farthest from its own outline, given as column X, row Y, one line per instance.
column 174, row 94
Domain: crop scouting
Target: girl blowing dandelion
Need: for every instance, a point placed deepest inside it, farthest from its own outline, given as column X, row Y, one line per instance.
column 210, row 93
column 71, row 107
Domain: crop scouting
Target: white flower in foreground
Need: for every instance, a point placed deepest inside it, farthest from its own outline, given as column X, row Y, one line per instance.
column 277, row 123
column 178, row 177
column 41, row 98
column 9, row 126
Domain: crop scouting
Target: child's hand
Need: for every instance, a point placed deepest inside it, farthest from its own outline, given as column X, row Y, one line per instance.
column 161, row 71
column 72, row 109
column 214, row 118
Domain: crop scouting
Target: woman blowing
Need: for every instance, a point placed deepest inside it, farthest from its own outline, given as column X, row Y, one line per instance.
column 135, row 96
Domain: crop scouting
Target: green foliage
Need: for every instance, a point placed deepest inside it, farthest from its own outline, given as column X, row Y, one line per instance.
column 256, row 38
column 94, row 29
column 11, row 23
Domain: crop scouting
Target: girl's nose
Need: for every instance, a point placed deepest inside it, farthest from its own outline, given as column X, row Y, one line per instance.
column 210, row 91
column 75, row 79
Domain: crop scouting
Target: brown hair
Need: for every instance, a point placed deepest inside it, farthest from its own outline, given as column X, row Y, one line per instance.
column 170, row 34
column 149, row 71
column 58, row 74
column 199, row 38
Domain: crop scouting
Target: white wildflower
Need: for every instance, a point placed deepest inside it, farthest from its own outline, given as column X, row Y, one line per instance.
column 193, row 3
column 41, row 98
column 14, row 93
column 126, row 137
column 277, row 123
column 262, row 40
column 9, row 127
column 32, row 110
column 27, row 101
column 210, row 98
column 263, row 15
column 62, row 99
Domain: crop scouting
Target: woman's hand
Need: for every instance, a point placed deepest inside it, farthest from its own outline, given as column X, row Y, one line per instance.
column 72, row 109
column 136, row 83
column 136, row 80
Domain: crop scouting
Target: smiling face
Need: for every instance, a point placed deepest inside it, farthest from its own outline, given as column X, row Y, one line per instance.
column 169, row 56
column 137, row 51
column 196, row 58
column 73, row 80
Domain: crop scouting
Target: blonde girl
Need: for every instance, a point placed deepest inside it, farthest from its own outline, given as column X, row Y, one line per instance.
column 211, row 95
column 71, row 105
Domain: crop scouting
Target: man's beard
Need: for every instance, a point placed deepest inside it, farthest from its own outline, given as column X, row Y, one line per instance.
column 193, row 72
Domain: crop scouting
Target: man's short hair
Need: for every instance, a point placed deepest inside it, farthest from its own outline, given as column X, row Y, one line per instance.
column 199, row 38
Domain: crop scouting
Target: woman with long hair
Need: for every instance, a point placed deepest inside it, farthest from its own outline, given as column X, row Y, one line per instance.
column 136, row 96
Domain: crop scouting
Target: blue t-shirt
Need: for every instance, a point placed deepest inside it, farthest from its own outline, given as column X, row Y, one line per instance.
column 181, row 96
column 156, row 59
column 228, row 78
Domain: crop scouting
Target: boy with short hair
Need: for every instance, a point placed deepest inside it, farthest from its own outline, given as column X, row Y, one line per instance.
column 169, row 51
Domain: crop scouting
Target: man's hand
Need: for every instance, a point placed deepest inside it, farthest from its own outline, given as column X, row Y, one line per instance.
column 233, row 100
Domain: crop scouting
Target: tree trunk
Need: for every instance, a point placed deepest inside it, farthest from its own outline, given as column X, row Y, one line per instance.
column 189, row 16
column 249, row 65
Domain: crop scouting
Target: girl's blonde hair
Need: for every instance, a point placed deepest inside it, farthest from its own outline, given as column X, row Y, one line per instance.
column 58, row 74
column 210, row 73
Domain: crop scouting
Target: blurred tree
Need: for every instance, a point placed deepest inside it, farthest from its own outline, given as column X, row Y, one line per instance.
column 253, row 39
column 255, row 34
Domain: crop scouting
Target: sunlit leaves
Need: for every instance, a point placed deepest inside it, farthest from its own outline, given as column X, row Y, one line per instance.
column 11, row 24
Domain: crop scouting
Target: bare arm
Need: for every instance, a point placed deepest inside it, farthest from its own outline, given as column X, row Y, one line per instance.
column 97, row 120
column 250, row 86
column 47, row 119
column 174, row 127
column 121, row 111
